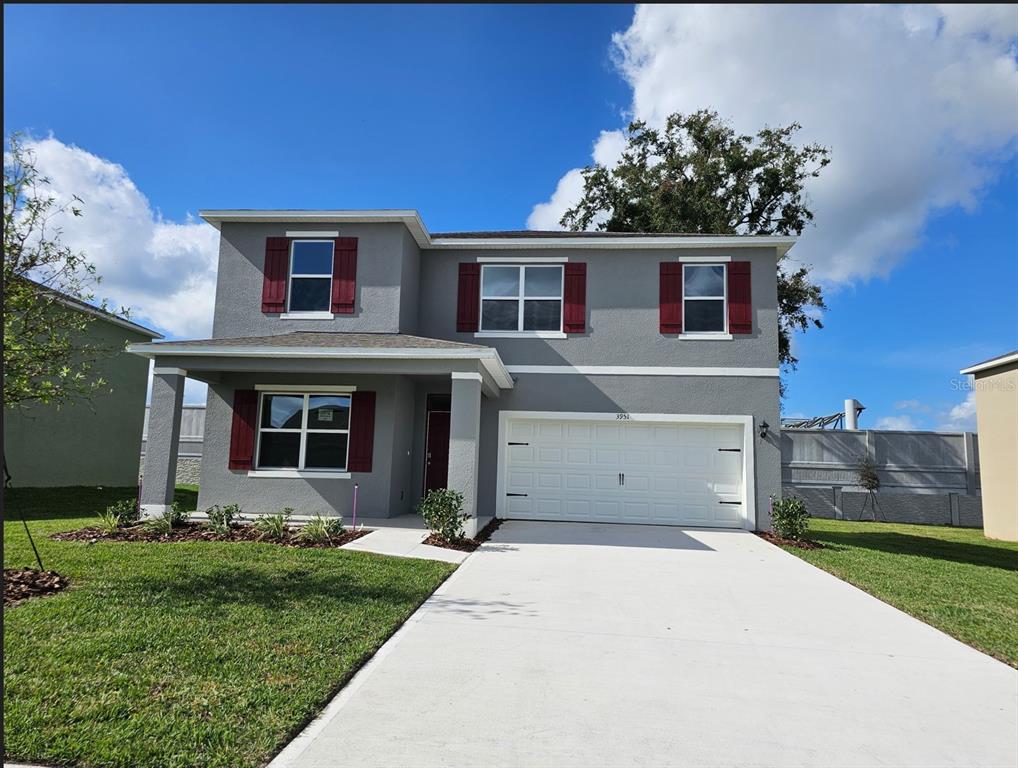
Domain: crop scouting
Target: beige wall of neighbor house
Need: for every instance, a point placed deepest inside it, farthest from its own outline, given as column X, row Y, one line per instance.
column 996, row 387
column 86, row 442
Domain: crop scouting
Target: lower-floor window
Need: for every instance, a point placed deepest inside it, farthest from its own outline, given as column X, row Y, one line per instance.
column 303, row 431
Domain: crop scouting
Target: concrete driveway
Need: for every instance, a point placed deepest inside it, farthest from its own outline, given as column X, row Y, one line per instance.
column 562, row 644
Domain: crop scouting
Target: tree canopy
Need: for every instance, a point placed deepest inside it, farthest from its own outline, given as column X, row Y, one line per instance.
column 47, row 355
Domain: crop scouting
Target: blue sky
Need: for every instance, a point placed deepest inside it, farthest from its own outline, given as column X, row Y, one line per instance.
column 477, row 116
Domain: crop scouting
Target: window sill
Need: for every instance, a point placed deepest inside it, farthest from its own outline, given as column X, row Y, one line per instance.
column 307, row 316
column 705, row 336
column 520, row 335
column 300, row 474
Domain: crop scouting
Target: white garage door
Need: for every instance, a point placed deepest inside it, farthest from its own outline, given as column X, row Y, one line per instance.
column 624, row 472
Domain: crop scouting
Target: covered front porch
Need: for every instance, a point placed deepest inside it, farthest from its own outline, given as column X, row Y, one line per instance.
column 310, row 421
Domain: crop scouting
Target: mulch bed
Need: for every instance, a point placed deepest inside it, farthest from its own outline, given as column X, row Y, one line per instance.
column 20, row 584
column 773, row 538
column 466, row 545
column 200, row 532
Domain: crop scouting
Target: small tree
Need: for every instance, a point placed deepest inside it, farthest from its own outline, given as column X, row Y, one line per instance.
column 697, row 175
column 47, row 357
column 867, row 477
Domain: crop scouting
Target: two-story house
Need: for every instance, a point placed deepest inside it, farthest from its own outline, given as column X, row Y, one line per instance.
column 545, row 375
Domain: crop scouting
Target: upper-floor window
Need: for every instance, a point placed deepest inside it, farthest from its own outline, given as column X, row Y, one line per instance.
column 521, row 298
column 304, row 431
column 704, row 298
column 311, row 276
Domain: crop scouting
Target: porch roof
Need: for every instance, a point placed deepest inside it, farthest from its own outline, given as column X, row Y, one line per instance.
column 333, row 345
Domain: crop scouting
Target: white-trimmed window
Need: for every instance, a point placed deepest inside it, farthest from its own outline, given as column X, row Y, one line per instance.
column 704, row 298
column 303, row 431
column 521, row 298
column 310, row 276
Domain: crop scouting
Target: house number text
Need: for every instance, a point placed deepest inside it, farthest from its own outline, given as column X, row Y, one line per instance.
column 623, row 416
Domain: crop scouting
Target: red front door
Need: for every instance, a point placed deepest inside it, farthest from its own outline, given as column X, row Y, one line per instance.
column 436, row 451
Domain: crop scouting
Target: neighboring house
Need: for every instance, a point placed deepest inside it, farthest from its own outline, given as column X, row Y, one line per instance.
column 86, row 442
column 544, row 375
column 996, row 385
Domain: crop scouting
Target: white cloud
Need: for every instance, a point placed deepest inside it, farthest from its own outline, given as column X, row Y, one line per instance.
column 962, row 417
column 568, row 191
column 917, row 103
column 907, row 405
column 164, row 271
column 896, row 422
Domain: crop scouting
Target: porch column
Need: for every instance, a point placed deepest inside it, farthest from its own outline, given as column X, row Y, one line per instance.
column 163, row 435
column 464, row 431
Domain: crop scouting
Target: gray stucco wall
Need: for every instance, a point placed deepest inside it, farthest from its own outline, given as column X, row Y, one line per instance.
column 381, row 263
column 383, row 492
column 93, row 442
column 400, row 288
column 623, row 296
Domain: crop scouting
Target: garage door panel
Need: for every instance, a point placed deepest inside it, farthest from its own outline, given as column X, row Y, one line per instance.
column 521, row 454
column 578, row 456
column 674, row 473
column 576, row 482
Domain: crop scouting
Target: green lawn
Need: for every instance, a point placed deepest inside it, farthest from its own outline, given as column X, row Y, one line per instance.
column 185, row 654
column 953, row 578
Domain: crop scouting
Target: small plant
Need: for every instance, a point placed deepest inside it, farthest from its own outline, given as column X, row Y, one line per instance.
column 125, row 512
column 790, row 517
column 177, row 515
column 321, row 530
column 108, row 522
column 221, row 518
column 441, row 510
column 161, row 525
column 273, row 526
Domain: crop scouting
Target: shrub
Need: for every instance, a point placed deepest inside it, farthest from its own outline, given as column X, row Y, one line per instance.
column 273, row 526
column 441, row 510
column 321, row 530
column 125, row 512
column 221, row 518
column 790, row 517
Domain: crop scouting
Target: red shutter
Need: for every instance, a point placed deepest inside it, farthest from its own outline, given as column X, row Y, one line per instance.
column 671, row 297
column 468, row 303
column 242, row 435
column 344, row 275
column 277, row 265
column 362, row 431
column 574, row 314
column 740, row 304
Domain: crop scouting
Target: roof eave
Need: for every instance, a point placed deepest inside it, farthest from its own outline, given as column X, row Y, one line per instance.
column 781, row 243
column 408, row 217
column 487, row 356
column 996, row 362
column 415, row 225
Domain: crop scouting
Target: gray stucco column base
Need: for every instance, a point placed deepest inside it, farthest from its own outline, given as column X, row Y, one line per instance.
column 160, row 477
column 464, row 432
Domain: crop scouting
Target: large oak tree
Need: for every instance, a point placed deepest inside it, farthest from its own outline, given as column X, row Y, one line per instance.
column 697, row 175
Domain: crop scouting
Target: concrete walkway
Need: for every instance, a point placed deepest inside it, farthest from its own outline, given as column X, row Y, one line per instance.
column 594, row 645
column 402, row 542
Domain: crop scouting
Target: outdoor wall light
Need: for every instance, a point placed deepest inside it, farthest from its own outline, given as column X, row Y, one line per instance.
column 764, row 426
